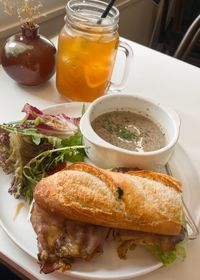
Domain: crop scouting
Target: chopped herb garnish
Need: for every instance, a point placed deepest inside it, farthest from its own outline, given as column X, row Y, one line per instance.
column 125, row 134
column 120, row 192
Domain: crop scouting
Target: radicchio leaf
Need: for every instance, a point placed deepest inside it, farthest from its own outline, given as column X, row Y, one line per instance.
column 51, row 124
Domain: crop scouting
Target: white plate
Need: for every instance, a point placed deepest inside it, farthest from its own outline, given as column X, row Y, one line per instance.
column 107, row 266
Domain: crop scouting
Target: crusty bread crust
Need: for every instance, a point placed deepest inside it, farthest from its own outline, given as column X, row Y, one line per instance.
column 159, row 177
column 140, row 200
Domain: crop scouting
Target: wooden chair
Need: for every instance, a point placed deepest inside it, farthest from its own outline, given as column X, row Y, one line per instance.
column 190, row 38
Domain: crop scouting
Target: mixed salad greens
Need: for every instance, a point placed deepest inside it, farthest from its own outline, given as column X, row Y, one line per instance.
column 36, row 146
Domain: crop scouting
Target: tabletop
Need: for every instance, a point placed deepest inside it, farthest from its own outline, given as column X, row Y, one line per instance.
column 152, row 75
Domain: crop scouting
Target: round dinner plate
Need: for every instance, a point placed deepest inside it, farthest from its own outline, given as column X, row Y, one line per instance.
column 108, row 265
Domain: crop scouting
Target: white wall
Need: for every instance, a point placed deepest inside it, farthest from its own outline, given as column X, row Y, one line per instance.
column 54, row 8
column 9, row 24
column 137, row 19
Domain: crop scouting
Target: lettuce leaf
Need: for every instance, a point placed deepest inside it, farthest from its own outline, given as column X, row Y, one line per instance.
column 22, row 141
column 33, row 156
column 169, row 257
column 60, row 125
column 5, row 151
column 19, row 152
column 43, row 164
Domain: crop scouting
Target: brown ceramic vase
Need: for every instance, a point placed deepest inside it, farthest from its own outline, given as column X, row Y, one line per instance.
column 29, row 58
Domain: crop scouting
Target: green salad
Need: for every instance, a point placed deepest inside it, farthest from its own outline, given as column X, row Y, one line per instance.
column 37, row 146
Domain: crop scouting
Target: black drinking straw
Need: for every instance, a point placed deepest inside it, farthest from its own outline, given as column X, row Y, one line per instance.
column 107, row 10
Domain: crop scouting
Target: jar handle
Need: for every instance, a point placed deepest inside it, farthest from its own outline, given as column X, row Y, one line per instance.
column 127, row 50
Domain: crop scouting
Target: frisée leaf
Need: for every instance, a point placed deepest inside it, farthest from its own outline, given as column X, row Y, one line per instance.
column 40, row 166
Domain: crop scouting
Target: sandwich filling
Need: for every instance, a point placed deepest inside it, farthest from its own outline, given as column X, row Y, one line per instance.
column 62, row 241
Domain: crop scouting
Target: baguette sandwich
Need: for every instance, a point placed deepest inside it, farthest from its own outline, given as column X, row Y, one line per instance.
column 78, row 209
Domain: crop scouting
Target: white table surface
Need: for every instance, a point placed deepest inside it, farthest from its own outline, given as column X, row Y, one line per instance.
column 153, row 75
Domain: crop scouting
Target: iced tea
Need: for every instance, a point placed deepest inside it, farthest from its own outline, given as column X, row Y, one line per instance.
column 84, row 65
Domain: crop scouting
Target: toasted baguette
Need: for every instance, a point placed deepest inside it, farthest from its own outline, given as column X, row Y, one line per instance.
column 141, row 200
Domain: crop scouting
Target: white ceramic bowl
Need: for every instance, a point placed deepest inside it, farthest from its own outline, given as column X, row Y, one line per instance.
column 106, row 155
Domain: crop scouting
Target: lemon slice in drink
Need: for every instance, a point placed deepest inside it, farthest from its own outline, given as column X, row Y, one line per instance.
column 73, row 69
column 96, row 74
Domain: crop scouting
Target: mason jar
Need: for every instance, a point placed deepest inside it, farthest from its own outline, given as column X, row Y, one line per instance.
column 87, row 48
